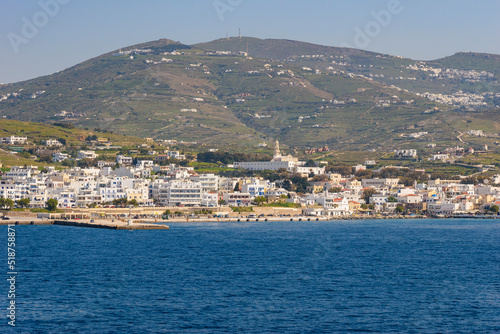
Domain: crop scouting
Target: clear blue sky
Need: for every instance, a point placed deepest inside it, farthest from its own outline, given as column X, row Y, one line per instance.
column 82, row 29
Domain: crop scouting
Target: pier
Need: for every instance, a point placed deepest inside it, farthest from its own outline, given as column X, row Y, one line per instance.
column 106, row 224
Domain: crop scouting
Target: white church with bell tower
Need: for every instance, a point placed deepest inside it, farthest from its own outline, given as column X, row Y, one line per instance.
column 291, row 164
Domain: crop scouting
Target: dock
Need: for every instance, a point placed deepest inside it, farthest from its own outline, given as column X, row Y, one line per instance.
column 113, row 225
column 106, row 224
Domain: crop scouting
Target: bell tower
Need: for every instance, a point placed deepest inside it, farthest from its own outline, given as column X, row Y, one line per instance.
column 277, row 149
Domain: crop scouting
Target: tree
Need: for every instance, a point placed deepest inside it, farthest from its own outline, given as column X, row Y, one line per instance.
column 85, row 163
column 341, row 169
column 282, row 171
column 364, row 174
column 367, row 193
column 65, row 125
column 45, row 159
column 392, row 199
column 406, row 181
column 494, row 208
column 237, row 187
column 6, row 203
column 310, row 163
column 23, row 203
column 133, row 202
column 470, row 180
column 62, row 141
column 399, row 208
column 69, row 163
column 320, row 178
column 300, row 183
column 260, row 199
column 120, row 201
column 25, row 154
column 335, row 189
column 52, row 204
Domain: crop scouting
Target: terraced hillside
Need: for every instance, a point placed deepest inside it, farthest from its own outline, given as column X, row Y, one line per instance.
column 300, row 93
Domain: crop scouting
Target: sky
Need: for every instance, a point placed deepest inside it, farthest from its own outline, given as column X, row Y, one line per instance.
column 40, row 37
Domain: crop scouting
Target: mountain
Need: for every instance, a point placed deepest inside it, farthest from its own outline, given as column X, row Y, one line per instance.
column 277, row 48
column 303, row 94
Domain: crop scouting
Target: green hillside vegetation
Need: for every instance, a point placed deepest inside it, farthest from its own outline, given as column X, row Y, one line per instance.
column 37, row 133
column 471, row 61
column 303, row 94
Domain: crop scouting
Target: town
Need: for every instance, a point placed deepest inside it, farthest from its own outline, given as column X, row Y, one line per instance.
column 279, row 187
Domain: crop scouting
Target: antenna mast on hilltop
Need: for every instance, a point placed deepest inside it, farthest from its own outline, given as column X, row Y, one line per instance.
column 239, row 33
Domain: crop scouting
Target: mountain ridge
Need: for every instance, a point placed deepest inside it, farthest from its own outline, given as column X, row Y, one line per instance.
column 303, row 94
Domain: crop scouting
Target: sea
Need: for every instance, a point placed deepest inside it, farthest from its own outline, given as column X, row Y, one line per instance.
column 366, row 276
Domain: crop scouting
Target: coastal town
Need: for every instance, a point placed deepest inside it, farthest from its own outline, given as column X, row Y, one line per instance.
column 282, row 186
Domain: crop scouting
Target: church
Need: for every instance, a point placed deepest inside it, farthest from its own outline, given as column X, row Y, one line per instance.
column 291, row 164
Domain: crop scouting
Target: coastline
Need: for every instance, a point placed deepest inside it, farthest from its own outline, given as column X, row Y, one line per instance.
column 159, row 223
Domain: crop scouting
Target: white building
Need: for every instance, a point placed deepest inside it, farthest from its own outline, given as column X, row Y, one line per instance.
column 226, row 184
column 276, row 192
column 256, row 187
column 333, row 206
column 440, row 156
column 379, row 183
column 287, row 162
column 143, row 164
column 406, row 153
column 123, row 160
column 209, row 199
column 86, row 197
column 175, row 155
column 66, row 198
column 209, row 182
column 378, row 199
column 12, row 140
column 410, row 199
column 111, row 189
column 237, row 199
column 439, row 207
column 53, row 142
column 59, row 157
column 305, row 171
column 20, row 173
column 175, row 193
column 86, row 155
column 102, row 164
column 263, row 165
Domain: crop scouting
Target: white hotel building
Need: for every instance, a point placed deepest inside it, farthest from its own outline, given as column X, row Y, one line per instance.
column 175, row 193
column 209, row 182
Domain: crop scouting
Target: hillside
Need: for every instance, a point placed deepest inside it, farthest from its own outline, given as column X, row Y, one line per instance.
column 303, row 94
column 277, row 48
column 38, row 132
column 73, row 138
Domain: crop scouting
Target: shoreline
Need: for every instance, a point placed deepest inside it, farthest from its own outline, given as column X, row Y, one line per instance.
column 156, row 224
column 312, row 218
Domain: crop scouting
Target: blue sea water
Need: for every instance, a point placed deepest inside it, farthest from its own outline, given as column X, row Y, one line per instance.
column 380, row 276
